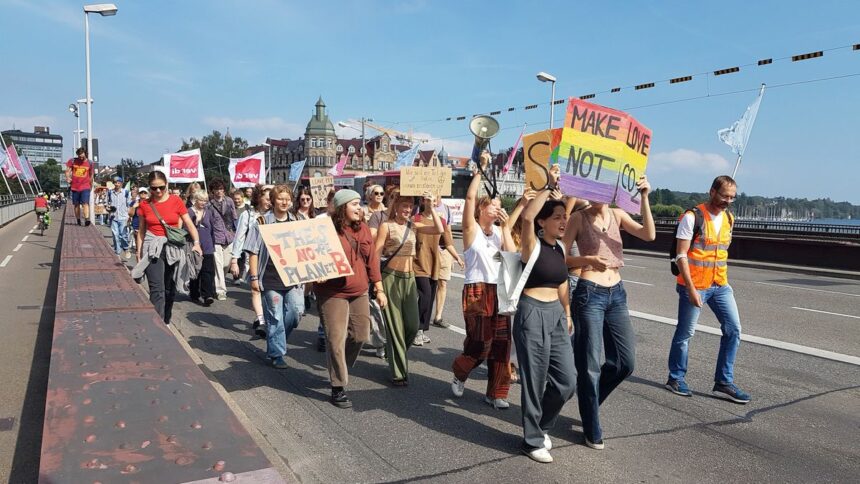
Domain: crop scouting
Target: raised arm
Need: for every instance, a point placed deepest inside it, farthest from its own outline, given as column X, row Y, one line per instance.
column 646, row 230
column 469, row 223
column 527, row 234
column 436, row 228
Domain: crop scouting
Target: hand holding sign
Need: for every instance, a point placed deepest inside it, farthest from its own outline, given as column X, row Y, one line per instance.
column 305, row 251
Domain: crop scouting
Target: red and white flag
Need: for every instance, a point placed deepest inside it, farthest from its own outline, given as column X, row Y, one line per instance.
column 337, row 170
column 16, row 163
column 184, row 167
column 248, row 171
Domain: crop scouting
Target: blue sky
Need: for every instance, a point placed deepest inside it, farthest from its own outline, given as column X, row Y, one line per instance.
column 167, row 70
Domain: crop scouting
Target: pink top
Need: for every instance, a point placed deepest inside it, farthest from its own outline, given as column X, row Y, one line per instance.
column 594, row 241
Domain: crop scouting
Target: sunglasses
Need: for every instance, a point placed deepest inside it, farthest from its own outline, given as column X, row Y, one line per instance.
column 159, row 188
column 376, row 194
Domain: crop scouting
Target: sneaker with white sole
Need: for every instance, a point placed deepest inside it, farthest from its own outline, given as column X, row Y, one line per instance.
column 547, row 443
column 538, row 455
column 419, row 339
column 730, row 391
column 458, row 387
column 599, row 445
column 497, row 403
column 424, row 337
column 380, row 352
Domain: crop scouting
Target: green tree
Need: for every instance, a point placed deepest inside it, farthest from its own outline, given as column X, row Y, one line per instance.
column 49, row 174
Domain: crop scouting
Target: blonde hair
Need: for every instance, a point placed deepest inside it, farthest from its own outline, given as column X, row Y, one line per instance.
column 369, row 192
column 200, row 195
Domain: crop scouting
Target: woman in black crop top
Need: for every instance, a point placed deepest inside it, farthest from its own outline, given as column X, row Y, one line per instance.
column 542, row 326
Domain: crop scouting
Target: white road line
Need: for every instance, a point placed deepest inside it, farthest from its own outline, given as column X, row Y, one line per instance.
column 25, row 238
column 35, row 226
column 635, row 267
column 825, row 312
column 806, row 288
column 17, row 247
column 458, row 276
column 635, row 282
column 806, row 350
column 5, row 261
column 457, row 329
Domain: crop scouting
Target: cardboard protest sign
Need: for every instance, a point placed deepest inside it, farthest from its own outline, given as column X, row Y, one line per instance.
column 249, row 171
column 602, row 154
column 320, row 188
column 416, row 180
column 184, row 167
column 537, row 156
column 305, row 251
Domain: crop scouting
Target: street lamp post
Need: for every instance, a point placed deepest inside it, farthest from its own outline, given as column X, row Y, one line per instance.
column 362, row 150
column 269, row 176
column 105, row 10
column 544, row 77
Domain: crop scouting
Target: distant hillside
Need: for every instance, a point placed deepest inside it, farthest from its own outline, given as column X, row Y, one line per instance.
column 669, row 203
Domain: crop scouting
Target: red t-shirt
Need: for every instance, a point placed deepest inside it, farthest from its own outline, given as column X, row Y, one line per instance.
column 41, row 202
column 171, row 210
column 81, row 174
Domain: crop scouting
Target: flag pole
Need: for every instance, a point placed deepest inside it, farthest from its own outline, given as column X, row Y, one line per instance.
column 18, row 175
column 737, row 164
column 6, row 181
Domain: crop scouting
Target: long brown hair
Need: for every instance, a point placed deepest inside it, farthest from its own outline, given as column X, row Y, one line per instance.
column 297, row 202
column 339, row 219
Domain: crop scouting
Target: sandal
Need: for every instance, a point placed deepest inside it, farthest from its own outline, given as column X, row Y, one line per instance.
column 515, row 378
column 400, row 383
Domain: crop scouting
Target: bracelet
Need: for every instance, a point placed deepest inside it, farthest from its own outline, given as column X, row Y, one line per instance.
column 196, row 242
column 254, row 278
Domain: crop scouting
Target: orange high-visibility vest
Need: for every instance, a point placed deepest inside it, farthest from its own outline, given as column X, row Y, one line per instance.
column 708, row 255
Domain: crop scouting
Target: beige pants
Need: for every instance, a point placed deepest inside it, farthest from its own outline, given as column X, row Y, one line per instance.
column 347, row 328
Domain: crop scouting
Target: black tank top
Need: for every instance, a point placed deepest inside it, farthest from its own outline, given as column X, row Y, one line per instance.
column 550, row 269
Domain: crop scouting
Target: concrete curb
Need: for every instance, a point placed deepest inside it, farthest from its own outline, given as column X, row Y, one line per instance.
column 812, row 271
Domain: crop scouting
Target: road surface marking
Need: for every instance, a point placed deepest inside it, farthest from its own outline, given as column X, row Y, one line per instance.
column 25, row 238
column 796, row 348
column 5, row 261
column 635, row 282
column 635, row 267
column 35, row 226
column 17, row 247
column 806, row 288
column 457, row 329
column 825, row 312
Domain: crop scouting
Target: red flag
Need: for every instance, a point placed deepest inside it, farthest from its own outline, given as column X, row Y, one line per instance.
column 248, row 171
column 184, row 167
column 13, row 157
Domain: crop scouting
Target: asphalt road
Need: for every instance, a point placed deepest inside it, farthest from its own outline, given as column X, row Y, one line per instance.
column 28, row 265
column 802, row 424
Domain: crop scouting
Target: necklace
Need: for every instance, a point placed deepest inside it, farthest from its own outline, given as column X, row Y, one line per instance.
column 604, row 225
column 488, row 237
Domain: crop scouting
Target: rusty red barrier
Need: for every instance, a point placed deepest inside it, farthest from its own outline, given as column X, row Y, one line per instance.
column 125, row 402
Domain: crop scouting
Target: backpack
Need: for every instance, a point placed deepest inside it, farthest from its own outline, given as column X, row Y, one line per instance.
column 697, row 230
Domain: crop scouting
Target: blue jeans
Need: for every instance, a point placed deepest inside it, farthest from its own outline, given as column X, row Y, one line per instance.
column 119, row 228
column 601, row 321
column 282, row 318
column 721, row 300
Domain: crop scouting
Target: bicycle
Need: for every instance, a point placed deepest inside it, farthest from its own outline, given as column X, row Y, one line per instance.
column 43, row 222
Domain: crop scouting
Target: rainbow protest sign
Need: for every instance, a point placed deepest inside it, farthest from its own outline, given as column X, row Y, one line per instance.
column 602, row 153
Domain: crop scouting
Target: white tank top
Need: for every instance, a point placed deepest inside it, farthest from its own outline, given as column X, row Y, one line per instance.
column 481, row 262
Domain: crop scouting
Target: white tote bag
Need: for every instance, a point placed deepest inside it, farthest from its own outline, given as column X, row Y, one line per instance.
column 512, row 279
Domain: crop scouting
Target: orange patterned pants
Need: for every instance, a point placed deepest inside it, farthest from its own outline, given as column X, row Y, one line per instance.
column 488, row 337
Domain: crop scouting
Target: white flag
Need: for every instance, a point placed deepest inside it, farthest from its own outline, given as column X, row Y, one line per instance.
column 406, row 158
column 738, row 135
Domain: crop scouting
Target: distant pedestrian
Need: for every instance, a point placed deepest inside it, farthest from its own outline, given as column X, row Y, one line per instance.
column 225, row 207
column 156, row 257
column 210, row 227
column 119, row 201
column 703, row 239
column 345, row 301
column 79, row 174
column 601, row 319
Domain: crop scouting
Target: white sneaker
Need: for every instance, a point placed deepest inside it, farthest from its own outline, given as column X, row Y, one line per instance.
column 498, row 403
column 380, row 352
column 419, row 339
column 458, row 387
column 539, row 455
column 222, row 297
column 425, row 337
column 547, row 443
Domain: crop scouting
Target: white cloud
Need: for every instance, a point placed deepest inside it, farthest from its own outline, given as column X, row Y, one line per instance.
column 687, row 160
column 26, row 123
column 273, row 126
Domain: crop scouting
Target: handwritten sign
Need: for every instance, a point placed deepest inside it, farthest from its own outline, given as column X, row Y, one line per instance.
column 602, row 153
column 305, row 251
column 417, row 180
column 320, row 188
column 537, row 156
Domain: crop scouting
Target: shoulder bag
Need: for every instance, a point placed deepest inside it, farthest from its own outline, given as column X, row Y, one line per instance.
column 176, row 237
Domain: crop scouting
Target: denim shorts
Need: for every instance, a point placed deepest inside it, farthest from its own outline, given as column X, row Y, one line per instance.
column 81, row 197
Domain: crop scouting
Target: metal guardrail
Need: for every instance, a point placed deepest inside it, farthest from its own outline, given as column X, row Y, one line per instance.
column 14, row 208
column 125, row 402
column 783, row 229
column 14, row 198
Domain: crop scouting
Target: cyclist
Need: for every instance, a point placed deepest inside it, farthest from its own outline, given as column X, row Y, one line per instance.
column 41, row 207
